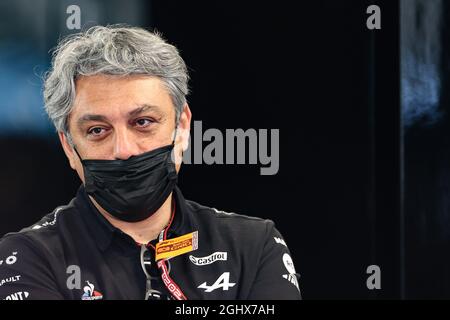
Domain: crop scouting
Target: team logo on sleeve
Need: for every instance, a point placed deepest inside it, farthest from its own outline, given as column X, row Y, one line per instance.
column 10, row 280
column 280, row 241
column 21, row 295
column 11, row 259
column 90, row 293
column 289, row 265
column 216, row 256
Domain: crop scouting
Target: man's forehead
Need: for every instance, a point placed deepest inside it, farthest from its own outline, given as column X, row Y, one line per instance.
column 105, row 98
column 104, row 90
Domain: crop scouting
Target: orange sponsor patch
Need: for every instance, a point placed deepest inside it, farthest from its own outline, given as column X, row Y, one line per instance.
column 174, row 247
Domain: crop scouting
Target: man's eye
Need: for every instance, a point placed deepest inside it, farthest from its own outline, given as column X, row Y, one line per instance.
column 95, row 131
column 142, row 123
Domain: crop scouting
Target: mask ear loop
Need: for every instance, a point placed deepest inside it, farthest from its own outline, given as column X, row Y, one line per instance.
column 76, row 151
column 175, row 136
column 173, row 143
column 176, row 131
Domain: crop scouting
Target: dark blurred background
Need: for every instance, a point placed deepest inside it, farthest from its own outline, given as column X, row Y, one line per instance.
column 425, row 67
column 364, row 132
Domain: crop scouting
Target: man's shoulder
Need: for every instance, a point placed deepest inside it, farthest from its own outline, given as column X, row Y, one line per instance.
column 44, row 231
column 237, row 223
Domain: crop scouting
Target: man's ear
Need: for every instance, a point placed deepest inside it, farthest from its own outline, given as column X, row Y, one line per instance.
column 184, row 126
column 67, row 149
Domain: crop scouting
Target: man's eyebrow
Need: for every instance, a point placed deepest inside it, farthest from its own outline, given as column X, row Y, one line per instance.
column 91, row 117
column 98, row 117
column 143, row 108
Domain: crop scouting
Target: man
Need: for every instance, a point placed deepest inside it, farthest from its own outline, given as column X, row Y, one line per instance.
column 117, row 97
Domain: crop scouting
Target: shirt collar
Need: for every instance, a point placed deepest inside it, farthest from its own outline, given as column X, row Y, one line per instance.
column 102, row 231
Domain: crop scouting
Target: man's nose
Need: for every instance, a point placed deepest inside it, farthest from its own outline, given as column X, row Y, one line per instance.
column 124, row 145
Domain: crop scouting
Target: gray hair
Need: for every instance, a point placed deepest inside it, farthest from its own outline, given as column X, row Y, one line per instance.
column 111, row 50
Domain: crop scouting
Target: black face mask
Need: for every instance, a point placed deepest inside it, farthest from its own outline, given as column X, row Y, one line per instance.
column 134, row 189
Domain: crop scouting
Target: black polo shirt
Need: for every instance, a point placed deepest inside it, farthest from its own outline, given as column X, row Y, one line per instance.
column 75, row 253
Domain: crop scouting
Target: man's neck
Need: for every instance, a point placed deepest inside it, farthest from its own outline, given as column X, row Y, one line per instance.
column 143, row 231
